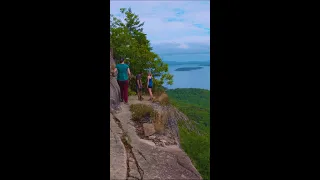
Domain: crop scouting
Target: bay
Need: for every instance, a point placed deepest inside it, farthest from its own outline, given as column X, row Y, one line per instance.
column 198, row 78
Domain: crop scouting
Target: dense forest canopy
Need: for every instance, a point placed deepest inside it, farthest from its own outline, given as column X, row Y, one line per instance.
column 128, row 41
column 195, row 104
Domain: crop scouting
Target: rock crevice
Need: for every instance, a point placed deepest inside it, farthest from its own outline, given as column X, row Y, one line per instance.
column 131, row 161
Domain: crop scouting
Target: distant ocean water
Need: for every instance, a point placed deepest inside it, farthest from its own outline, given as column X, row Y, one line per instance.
column 199, row 78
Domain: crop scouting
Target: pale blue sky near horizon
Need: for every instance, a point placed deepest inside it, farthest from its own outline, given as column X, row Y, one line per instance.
column 173, row 27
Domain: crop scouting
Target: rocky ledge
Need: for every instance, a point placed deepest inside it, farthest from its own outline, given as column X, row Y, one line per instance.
column 138, row 152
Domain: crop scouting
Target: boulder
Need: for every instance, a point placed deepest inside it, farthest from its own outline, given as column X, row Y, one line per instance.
column 148, row 129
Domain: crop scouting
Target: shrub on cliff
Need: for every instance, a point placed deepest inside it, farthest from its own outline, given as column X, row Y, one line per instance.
column 141, row 111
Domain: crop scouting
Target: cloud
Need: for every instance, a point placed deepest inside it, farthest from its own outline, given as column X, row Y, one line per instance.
column 183, row 46
column 183, row 24
column 178, row 48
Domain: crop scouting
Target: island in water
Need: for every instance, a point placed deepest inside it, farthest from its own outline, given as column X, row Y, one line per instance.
column 188, row 68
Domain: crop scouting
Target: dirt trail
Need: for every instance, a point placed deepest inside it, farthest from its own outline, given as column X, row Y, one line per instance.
column 135, row 158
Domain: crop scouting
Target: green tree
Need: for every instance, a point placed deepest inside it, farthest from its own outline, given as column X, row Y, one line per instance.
column 128, row 41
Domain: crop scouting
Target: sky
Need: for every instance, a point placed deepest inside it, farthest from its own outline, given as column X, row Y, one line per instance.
column 173, row 27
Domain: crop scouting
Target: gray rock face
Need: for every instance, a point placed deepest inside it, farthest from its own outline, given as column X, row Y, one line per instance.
column 164, row 163
column 118, row 157
column 114, row 87
column 136, row 158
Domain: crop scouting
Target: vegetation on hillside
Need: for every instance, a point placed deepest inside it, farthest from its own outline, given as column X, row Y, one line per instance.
column 128, row 41
column 195, row 103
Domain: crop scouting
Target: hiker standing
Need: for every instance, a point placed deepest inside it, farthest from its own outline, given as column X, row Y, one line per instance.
column 123, row 79
column 139, row 86
column 149, row 85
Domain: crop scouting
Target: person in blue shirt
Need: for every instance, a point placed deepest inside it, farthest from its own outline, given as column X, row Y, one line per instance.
column 123, row 79
column 149, row 85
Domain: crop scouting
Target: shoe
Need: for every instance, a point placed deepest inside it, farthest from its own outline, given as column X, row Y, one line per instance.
column 121, row 100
